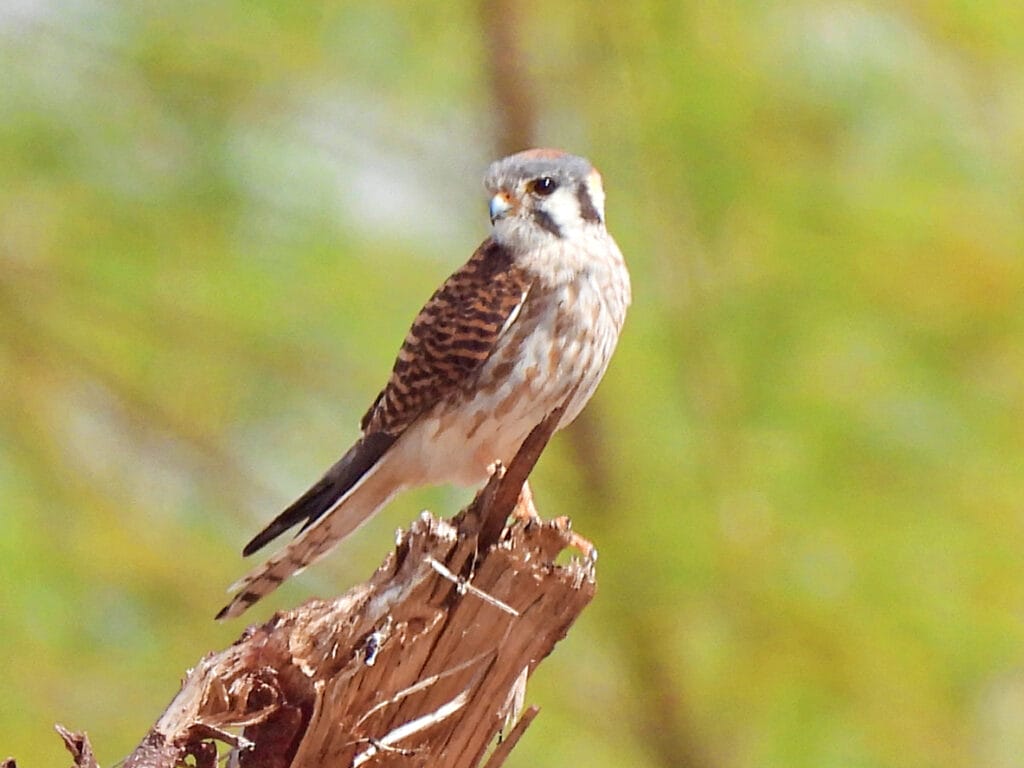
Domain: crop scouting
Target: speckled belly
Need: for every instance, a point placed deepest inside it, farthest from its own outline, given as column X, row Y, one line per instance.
column 562, row 340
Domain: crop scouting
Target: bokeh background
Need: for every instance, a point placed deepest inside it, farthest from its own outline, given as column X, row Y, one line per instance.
column 804, row 470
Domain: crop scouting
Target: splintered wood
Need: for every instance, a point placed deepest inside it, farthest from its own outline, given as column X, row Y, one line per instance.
column 424, row 664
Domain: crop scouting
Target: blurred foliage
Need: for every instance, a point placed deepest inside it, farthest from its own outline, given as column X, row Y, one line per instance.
column 804, row 471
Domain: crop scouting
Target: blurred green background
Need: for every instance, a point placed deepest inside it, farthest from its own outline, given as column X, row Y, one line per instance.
column 804, row 470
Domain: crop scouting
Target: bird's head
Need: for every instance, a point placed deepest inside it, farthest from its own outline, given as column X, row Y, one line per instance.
column 543, row 195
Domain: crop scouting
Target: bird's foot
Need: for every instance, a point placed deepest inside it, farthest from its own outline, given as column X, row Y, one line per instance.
column 584, row 546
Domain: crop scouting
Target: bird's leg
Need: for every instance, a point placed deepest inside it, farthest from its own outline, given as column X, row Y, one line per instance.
column 525, row 512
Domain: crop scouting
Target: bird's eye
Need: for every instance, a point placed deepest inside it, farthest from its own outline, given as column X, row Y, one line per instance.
column 543, row 186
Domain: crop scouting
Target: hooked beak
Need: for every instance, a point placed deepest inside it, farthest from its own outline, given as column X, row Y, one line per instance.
column 500, row 206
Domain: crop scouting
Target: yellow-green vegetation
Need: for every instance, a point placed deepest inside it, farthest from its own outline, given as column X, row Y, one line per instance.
column 804, row 471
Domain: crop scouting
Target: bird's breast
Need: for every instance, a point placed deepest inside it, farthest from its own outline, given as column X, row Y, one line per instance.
column 559, row 345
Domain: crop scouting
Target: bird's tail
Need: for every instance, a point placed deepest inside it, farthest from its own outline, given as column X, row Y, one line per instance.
column 329, row 490
column 337, row 514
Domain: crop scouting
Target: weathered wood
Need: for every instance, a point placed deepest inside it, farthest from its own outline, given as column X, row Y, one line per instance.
column 423, row 664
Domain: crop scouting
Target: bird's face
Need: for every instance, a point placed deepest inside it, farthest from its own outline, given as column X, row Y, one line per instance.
column 541, row 197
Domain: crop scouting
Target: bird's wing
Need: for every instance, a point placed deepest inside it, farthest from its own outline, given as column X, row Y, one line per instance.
column 328, row 491
column 452, row 336
column 449, row 341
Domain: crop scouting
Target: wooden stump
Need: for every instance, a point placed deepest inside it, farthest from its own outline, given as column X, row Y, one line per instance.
column 424, row 664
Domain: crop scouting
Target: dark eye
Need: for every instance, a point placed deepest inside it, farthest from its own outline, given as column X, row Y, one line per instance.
column 543, row 186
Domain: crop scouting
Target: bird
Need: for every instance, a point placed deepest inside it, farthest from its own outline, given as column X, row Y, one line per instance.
column 527, row 325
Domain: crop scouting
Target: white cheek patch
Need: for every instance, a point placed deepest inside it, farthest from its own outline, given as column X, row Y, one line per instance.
column 596, row 190
column 563, row 209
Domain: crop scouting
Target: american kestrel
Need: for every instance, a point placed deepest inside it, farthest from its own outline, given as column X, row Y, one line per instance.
column 533, row 316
